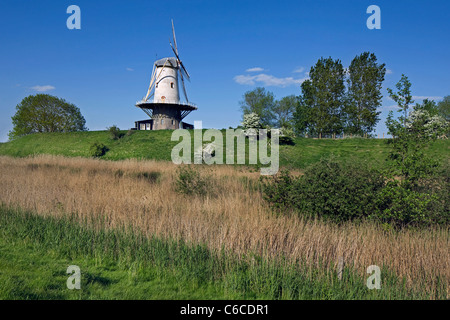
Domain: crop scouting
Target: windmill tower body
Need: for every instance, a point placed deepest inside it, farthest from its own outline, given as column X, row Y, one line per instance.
column 166, row 110
column 166, row 88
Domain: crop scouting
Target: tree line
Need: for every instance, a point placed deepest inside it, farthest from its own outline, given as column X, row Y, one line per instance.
column 334, row 100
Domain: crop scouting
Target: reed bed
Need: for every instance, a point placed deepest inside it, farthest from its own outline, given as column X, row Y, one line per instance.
column 232, row 216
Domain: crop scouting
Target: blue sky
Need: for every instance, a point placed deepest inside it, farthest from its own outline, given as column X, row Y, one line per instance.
column 105, row 67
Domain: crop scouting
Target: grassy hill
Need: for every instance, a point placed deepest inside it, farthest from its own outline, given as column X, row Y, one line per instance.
column 157, row 145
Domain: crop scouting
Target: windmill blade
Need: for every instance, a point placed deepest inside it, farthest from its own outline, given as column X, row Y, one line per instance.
column 174, row 40
column 174, row 51
column 184, row 88
column 183, row 69
column 180, row 64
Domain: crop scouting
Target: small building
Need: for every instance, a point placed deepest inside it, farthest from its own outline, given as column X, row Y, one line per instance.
column 148, row 124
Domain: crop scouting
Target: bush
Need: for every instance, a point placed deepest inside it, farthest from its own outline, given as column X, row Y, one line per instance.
column 97, row 149
column 347, row 191
column 278, row 190
column 287, row 136
column 329, row 189
column 286, row 140
column 401, row 207
column 114, row 132
column 424, row 203
column 191, row 182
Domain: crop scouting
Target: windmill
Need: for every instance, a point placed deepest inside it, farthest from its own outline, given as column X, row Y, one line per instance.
column 162, row 102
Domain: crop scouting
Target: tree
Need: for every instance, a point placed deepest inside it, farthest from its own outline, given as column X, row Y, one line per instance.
column 412, row 134
column 402, row 97
column 429, row 106
column 303, row 117
column 261, row 102
column 45, row 113
column 444, row 108
column 364, row 94
column 322, row 99
column 284, row 110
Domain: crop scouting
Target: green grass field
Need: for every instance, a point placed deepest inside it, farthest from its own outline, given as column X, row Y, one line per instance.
column 156, row 145
column 35, row 251
column 121, row 264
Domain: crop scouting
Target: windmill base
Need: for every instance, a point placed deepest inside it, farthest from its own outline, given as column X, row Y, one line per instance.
column 149, row 124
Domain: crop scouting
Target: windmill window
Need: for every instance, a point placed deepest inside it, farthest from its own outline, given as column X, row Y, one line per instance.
column 173, row 122
column 171, row 85
column 157, row 85
column 162, row 121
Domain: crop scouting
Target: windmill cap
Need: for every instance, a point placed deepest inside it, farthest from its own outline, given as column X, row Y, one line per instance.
column 171, row 62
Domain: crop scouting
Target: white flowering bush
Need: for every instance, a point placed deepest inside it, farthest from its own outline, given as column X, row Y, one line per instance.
column 251, row 121
column 421, row 122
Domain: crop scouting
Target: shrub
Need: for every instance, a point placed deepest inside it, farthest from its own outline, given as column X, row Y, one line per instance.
column 286, row 140
column 339, row 191
column 97, row 149
column 424, row 203
column 278, row 190
column 287, row 136
column 191, row 182
column 400, row 206
column 347, row 191
column 114, row 132
column 251, row 121
column 329, row 189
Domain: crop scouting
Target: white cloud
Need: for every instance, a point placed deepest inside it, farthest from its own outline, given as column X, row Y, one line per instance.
column 299, row 70
column 43, row 88
column 388, row 71
column 426, row 97
column 130, row 69
column 267, row 80
column 255, row 69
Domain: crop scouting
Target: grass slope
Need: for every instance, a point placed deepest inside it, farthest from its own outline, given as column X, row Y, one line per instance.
column 157, row 145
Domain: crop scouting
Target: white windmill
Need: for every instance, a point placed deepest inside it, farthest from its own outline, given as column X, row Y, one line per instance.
column 166, row 110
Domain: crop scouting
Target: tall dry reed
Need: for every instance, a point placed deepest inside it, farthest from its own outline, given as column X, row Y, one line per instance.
column 233, row 217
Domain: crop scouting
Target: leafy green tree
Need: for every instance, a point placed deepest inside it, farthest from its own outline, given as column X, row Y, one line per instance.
column 303, row 115
column 284, row 110
column 45, row 113
column 444, row 108
column 262, row 103
column 429, row 106
column 364, row 94
column 322, row 98
column 412, row 134
column 394, row 127
column 402, row 97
